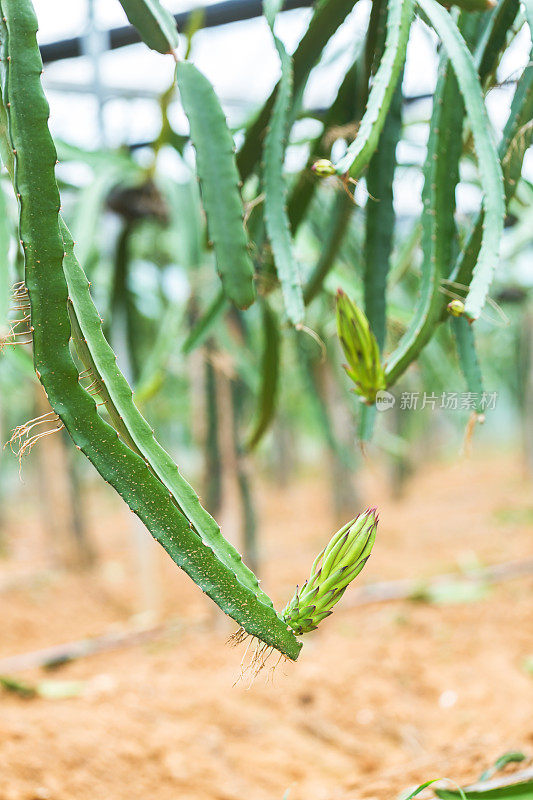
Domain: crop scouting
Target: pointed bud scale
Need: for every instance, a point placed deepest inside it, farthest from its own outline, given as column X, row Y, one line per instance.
column 335, row 547
column 332, row 571
column 360, row 348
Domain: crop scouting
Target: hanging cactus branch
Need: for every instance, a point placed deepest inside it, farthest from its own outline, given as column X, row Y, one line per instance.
column 48, row 253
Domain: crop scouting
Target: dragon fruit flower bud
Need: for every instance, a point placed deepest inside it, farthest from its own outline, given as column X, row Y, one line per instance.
column 332, row 571
column 360, row 348
column 323, row 168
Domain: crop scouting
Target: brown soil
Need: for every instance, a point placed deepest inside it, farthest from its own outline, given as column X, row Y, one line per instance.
column 382, row 697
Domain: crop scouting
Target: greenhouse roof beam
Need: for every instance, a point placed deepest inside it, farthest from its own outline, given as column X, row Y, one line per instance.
column 214, row 15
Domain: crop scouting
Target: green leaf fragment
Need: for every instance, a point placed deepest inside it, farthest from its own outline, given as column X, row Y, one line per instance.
column 415, row 792
column 519, row 785
column 512, row 757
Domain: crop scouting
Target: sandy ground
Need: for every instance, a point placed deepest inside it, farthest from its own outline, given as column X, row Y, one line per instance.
column 383, row 697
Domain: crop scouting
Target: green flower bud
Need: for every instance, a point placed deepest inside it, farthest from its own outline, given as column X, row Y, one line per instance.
column 456, row 308
column 360, row 348
column 323, row 168
column 332, row 571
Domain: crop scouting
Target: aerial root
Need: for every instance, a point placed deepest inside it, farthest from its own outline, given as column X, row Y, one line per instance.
column 20, row 297
column 316, row 338
column 518, row 142
column 249, row 207
column 15, row 336
column 11, row 340
column 28, row 444
column 22, row 440
column 95, row 386
column 22, row 431
column 475, row 418
column 19, row 330
column 238, row 637
column 19, row 291
column 260, row 655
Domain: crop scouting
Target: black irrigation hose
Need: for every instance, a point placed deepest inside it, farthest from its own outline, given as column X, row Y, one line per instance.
column 213, row 16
